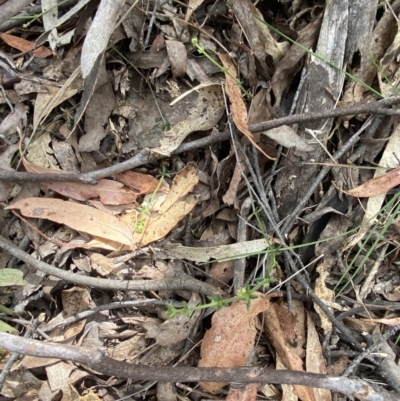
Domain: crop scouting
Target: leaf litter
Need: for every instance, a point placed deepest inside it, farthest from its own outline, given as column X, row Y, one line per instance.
column 130, row 139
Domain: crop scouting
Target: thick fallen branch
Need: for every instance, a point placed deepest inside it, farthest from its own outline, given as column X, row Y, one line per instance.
column 94, row 359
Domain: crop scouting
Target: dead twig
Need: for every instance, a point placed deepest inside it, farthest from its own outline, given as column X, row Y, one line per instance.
column 179, row 281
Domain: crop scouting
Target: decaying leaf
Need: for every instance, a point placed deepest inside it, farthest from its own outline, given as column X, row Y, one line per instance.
column 176, row 329
column 287, row 137
column 79, row 217
column 274, row 331
column 205, row 115
column 324, row 293
column 231, row 338
column 10, row 124
column 110, row 192
column 178, row 57
column 205, row 254
column 388, row 321
column 290, row 64
column 315, row 361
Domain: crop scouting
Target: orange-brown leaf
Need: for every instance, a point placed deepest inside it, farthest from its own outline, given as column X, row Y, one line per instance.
column 231, row 338
column 25, row 45
column 142, row 183
column 238, row 107
column 377, row 186
column 110, row 192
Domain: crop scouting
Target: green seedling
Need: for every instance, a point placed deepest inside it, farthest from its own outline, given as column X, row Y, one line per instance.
column 223, row 69
column 245, row 294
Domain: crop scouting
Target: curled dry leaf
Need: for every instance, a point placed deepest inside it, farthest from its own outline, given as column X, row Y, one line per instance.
column 79, row 217
column 231, row 338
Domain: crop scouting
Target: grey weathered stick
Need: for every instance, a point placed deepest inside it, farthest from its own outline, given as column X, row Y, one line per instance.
column 94, row 359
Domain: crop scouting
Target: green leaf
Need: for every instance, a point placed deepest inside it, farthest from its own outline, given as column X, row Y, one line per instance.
column 7, row 311
column 171, row 311
column 10, row 277
column 4, row 327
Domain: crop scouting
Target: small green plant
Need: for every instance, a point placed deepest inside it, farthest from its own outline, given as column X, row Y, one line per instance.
column 245, row 294
column 225, row 70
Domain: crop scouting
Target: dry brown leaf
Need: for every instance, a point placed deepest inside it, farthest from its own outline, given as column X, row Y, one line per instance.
column 390, row 322
column 230, row 195
column 10, row 124
column 97, row 112
column 77, row 216
column 238, row 107
column 141, row 183
column 247, row 393
column 161, row 224
column 6, row 158
column 287, row 137
column 325, row 294
column 127, row 350
column 205, row 114
column 176, row 329
column 183, row 183
column 46, row 102
column 338, row 367
column 178, row 57
column 315, row 361
column 25, row 45
column 58, row 375
column 110, row 192
column 75, row 300
column 275, row 333
column 231, row 338
column 376, row 186
column 98, row 36
column 290, row 64
column 176, row 205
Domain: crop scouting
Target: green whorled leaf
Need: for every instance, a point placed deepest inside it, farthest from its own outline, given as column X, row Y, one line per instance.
column 4, row 327
column 7, row 311
column 10, row 277
column 171, row 311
